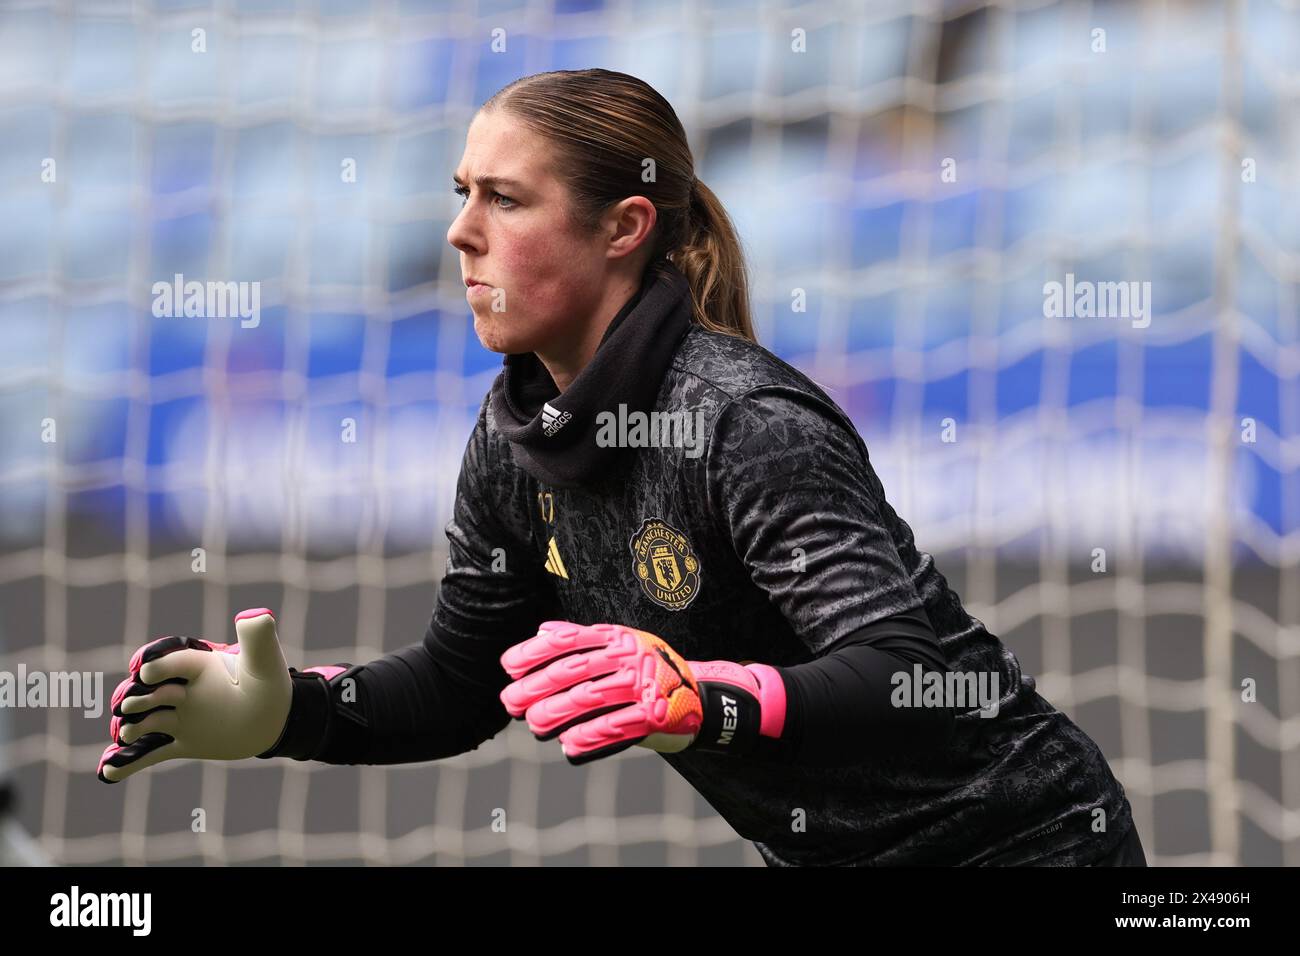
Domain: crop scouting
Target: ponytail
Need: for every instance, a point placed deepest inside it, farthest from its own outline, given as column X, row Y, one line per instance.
column 712, row 260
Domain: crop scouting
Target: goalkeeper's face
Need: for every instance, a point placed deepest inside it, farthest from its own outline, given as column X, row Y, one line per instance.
column 543, row 279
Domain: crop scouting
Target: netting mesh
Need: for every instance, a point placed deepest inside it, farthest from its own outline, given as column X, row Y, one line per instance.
column 1016, row 445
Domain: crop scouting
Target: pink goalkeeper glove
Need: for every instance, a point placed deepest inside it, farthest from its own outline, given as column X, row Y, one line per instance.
column 603, row 688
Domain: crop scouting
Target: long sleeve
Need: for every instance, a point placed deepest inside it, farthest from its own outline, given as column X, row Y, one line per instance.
column 840, row 707
column 439, row 697
column 791, row 483
column 405, row 707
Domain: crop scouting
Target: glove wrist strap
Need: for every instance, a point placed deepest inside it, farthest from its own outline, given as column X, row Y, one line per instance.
column 741, row 704
column 309, row 716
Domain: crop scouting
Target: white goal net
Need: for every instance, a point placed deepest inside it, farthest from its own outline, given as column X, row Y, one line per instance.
column 1112, row 489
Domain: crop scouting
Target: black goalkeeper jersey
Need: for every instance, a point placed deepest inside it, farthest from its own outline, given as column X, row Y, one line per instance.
column 767, row 538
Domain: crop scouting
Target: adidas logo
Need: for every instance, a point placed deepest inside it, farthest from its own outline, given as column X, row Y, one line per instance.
column 553, row 562
column 553, row 419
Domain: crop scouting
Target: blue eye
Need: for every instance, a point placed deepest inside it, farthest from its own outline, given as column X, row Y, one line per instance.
column 463, row 193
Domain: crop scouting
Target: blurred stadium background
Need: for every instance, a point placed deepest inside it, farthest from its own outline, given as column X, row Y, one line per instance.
column 1169, row 157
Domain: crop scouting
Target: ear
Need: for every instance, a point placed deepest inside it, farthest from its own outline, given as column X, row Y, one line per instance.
column 628, row 225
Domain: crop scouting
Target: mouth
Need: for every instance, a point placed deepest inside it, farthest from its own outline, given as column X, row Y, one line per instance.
column 476, row 290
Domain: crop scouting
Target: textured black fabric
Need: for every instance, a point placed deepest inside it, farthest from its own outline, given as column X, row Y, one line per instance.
column 554, row 435
column 795, row 547
column 1128, row 853
column 770, row 541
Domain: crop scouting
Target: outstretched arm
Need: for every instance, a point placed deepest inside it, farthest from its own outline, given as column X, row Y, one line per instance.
column 424, row 702
column 440, row 697
column 603, row 688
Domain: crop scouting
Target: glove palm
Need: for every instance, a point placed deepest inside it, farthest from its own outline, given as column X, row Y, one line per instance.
column 187, row 697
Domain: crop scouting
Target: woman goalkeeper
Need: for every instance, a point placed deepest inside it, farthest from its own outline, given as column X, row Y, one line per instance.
column 663, row 535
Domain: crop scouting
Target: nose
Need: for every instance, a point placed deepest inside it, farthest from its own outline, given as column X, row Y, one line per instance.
column 462, row 234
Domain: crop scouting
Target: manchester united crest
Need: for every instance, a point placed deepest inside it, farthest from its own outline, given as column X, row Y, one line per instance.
column 664, row 564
